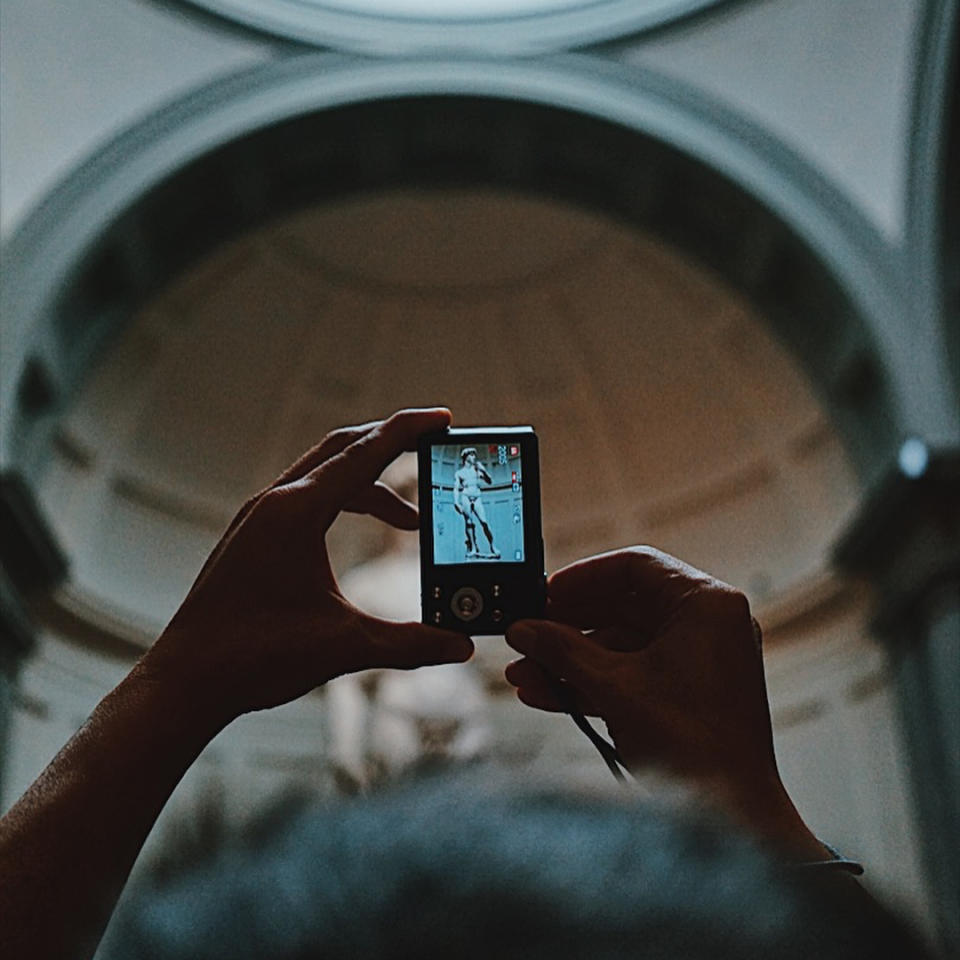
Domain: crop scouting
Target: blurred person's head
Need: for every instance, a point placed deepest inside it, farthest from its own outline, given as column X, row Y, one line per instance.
column 444, row 869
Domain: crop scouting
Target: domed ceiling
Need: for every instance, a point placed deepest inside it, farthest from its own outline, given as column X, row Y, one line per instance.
column 667, row 413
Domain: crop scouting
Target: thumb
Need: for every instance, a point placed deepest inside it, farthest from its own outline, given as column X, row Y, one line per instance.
column 406, row 646
column 563, row 651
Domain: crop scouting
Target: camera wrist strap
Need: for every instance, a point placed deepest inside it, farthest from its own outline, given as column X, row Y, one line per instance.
column 611, row 756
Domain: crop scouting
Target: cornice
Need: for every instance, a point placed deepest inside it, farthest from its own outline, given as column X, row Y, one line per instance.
column 335, row 26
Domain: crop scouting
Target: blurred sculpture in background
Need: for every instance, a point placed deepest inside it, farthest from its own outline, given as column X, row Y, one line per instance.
column 383, row 723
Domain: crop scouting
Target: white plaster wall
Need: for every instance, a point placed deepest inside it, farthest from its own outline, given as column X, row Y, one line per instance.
column 830, row 78
column 73, row 75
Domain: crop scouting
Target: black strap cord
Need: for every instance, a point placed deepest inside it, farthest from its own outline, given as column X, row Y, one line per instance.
column 607, row 750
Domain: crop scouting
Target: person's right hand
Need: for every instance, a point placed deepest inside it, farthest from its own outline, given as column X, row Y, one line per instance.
column 671, row 661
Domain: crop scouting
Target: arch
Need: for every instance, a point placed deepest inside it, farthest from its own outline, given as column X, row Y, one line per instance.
column 628, row 141
column 493, row 27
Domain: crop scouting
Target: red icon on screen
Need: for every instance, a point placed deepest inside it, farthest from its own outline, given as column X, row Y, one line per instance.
column 514, row 451
column 492, row 448
column 513, row 476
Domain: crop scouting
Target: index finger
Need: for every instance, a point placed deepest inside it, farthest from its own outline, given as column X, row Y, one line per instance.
column 337, row 479
column 329, row 446
column 591, row 589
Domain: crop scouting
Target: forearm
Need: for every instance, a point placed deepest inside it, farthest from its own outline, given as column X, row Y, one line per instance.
column 67, row 847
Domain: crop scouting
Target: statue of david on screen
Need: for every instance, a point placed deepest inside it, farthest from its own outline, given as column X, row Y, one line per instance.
column 468, row 502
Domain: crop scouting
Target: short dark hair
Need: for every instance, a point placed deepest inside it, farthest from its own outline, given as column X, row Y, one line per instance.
column 446, row 870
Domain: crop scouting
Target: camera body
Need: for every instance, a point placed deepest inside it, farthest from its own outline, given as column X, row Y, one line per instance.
column 481, row 540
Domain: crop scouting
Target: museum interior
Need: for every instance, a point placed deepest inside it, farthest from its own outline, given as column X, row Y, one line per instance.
column 710, row 250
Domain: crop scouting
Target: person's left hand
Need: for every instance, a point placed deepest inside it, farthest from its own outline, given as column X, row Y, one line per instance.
column 265, row 621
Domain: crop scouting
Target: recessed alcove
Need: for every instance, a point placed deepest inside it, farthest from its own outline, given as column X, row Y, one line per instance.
column 668, row 412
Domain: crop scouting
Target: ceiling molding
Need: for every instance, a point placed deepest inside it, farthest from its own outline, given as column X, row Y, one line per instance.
column 397, row 28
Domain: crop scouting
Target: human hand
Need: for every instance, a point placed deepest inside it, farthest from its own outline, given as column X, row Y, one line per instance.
column 265, row 621
column 672, row 662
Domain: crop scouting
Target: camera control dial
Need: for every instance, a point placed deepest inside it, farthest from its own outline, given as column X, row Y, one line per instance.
column 466, row 603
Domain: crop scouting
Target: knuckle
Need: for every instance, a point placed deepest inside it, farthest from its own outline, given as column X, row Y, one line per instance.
column 395, row 419
column 340, row 434
column 274, row 501
column 638, row 558
column 267, row 503
column 253, row 508
column 383, row 431
column 643, row 556
column 724, row 602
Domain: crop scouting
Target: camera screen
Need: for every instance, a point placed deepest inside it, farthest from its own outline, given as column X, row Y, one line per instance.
column 477, row 501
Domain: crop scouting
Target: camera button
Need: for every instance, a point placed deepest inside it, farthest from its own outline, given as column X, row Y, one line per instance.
column 496, row 615
column 437, row 617
column 437, row 593
column 466, row 604
column 495, row 590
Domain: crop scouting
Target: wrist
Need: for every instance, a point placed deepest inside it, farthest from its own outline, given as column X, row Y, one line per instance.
column 765, row 809
column 177, row 687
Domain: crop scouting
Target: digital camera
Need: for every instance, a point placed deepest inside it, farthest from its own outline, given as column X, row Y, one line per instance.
column 481, row 540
